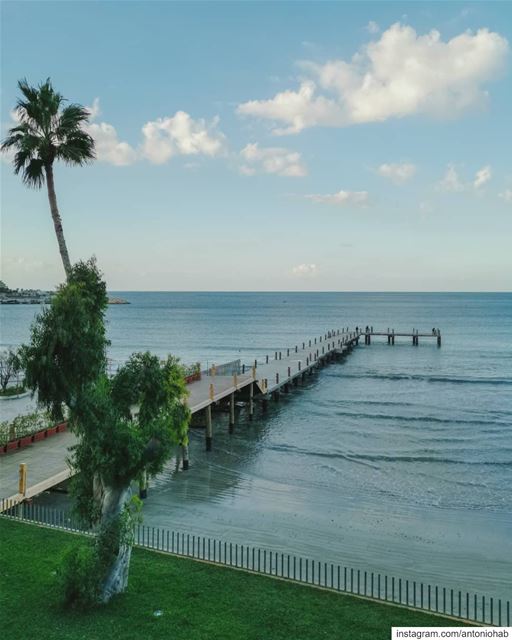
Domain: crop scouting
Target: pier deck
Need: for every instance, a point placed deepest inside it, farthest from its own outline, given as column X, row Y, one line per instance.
column 46, row 460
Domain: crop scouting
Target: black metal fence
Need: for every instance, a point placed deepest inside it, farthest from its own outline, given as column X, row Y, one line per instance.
column 466, row 606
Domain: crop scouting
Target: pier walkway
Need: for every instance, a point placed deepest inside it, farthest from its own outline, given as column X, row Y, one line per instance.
column 46, row 461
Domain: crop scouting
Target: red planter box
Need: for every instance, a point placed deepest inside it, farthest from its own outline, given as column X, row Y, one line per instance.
column 40, row 435
column 12, row 445
column 63, row 426
column 51, row 432
column 25, row 441
column 3, row 449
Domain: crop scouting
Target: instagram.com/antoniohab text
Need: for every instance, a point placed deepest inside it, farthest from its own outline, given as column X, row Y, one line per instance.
column 451, row 632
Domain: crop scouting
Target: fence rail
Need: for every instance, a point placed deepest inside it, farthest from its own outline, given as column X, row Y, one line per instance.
column 226, row 369
column 466, row 606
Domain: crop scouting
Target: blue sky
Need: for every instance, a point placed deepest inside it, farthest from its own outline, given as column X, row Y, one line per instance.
column 271, row 146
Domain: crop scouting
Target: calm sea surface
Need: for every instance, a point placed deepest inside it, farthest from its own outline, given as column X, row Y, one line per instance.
column 397, row 460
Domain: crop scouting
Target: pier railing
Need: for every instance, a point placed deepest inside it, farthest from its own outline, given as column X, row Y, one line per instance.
column 372, row 585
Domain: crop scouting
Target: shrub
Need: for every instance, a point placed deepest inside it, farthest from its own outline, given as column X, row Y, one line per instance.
column 24, row 425
column 81, row 575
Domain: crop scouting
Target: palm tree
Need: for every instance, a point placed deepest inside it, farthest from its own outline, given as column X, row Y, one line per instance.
column 47, row 132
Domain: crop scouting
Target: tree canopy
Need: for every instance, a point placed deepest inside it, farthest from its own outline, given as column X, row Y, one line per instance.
column 47, row 131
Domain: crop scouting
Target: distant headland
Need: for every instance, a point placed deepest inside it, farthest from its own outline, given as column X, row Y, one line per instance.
column 35, row 296
column 23, row 296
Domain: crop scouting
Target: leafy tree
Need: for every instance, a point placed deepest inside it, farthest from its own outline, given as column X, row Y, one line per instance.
column 47, row 131
column 10, row 365
column 67, row 350
column 126, row 425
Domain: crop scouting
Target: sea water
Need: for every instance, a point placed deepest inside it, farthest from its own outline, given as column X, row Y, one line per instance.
column 396, row 460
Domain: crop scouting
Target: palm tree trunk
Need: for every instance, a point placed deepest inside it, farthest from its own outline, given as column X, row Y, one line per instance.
column 57, row 222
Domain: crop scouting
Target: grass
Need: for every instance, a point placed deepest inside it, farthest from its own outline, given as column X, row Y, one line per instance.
column 197, row 600
column 12, row 391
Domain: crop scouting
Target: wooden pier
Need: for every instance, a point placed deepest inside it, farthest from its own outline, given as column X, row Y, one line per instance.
column 257, row 382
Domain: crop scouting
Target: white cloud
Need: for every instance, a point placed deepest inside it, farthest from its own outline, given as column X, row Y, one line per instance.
column 398, row 173
column 305, row 270
column 372, row 27
column 277, row 160
column 180, row 135
column 451, row 180
column 341, row 198
column 400, row 74
column 94, row 110
column 298, row 109
column 482, row 176
column 506, row 195
column 107, row 144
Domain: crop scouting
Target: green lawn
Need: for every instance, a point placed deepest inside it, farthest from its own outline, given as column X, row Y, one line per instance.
column 197, row 601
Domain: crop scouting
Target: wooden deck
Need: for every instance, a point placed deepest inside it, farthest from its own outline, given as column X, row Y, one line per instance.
column 46, row 460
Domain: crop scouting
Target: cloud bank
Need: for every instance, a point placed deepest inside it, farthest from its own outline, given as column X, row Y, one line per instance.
column 400, row 74
column 162, row 139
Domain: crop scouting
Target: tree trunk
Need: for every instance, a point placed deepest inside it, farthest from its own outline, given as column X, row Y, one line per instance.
column 57, row 222
column 116, row 580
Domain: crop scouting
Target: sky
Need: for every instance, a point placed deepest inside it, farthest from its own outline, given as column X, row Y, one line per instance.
column 289, row 146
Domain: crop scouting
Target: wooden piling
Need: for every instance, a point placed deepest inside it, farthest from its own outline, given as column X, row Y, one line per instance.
column 209, row 430
column 231, row 412
column 143, row 485
column 184, row 455
column 251, row 400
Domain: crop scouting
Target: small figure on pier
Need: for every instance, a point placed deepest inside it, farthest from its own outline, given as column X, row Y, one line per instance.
column 433, row 332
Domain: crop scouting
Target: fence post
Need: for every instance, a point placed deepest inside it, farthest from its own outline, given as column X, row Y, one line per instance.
column 22, row 483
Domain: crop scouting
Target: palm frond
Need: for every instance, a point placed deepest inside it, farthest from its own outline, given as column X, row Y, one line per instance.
column 33, row 173
column 46, row 132
column 41, row 105
column 29, row 92
column 77, row 149
column 71, row 118
column 12, row 140
column 16, row 135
